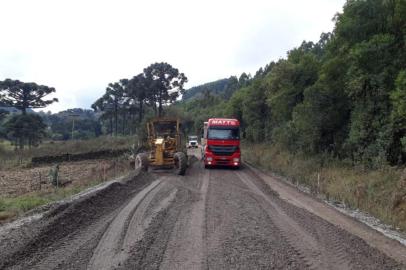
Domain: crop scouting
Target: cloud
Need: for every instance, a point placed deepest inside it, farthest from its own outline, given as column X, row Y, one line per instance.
column 78, row 47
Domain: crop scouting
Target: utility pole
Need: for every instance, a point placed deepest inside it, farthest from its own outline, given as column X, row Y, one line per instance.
column 73, row 123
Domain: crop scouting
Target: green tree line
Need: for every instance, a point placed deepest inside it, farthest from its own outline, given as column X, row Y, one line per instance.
column 344, row 96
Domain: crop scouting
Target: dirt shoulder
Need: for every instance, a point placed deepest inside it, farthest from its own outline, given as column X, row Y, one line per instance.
column 291, row 194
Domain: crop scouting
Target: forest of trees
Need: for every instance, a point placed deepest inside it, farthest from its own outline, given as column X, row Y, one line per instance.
column 344, row 96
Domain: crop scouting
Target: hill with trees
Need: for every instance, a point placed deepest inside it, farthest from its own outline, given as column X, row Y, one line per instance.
column 223, row 88
column 344, row 95
column 72, row 124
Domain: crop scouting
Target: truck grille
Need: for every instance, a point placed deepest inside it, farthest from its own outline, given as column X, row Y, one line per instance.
column 222, row 162
column 223, row 150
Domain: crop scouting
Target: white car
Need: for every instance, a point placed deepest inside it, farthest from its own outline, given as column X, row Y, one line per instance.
column 192, row 142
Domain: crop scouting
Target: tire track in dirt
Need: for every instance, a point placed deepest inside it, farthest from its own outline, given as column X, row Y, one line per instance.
column 126, row 229
column 337, row 248
column 239, row 234
column 309, row 248
column 167, row 232
column 186, row 248
column 58, row 254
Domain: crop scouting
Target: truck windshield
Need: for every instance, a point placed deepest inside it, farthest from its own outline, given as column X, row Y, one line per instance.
column 223, row 133
column 192, row 138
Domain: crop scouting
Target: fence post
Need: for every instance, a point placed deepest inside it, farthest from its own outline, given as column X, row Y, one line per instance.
column 104, row 171
column 40, row 180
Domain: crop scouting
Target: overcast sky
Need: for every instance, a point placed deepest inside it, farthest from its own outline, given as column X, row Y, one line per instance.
column 78, row 47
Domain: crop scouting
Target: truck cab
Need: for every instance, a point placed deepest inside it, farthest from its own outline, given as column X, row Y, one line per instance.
column 222, row 146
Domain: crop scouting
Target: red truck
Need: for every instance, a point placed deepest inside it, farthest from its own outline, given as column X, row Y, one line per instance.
column 222, row 143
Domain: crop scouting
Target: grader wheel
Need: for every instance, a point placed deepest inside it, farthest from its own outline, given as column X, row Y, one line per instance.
column 141, row 161
column 180, row 163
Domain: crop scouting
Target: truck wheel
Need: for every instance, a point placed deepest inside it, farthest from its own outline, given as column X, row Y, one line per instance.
column 141, row 161
column 180, row 163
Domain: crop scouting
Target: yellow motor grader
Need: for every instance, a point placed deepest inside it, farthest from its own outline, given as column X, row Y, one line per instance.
column 165, row 142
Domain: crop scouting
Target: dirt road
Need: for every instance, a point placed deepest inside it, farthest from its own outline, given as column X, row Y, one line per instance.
column 208, row 219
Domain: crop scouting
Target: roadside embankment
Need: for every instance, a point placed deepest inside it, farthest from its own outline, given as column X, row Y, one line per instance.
column 381, row 193
column 64, row 218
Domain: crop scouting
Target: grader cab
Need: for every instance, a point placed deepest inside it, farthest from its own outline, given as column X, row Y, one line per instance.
column 165, row 143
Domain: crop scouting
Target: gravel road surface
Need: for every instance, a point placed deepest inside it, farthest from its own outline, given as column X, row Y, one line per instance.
column 207, row 219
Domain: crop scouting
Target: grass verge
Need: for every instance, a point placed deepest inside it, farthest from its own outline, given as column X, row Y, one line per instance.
column 382, row 193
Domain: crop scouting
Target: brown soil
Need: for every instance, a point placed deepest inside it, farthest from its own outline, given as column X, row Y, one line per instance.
column 207, row 219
